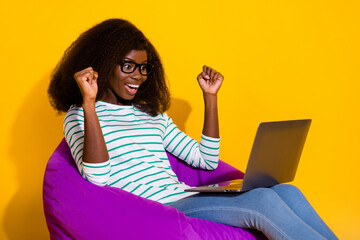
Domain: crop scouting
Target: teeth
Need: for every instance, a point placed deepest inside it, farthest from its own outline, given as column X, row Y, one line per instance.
column 133, row 85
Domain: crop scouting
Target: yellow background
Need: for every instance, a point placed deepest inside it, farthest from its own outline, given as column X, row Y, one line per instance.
column 281, row 60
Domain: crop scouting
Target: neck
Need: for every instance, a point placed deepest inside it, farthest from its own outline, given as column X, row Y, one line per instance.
column 111, row 97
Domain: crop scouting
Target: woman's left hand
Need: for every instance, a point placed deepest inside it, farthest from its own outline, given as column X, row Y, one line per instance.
column 210, row 80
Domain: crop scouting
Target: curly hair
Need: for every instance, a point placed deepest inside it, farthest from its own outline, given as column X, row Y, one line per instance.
column 103, row 47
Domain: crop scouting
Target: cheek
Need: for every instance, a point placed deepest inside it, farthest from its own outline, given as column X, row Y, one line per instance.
column 118, row 74
column 118, row 79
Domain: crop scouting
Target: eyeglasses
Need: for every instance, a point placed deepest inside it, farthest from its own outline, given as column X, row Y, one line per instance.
column 130, row 67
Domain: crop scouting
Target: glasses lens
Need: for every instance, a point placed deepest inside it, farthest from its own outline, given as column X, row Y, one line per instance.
column 147, row 68
column 127, row 67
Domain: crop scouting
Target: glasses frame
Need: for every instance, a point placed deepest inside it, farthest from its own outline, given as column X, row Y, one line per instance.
column 148, row 66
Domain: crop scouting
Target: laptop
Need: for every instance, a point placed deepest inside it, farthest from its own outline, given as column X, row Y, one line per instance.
column 274, row 157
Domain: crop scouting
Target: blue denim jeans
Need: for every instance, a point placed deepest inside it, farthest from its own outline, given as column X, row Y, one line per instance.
column 280, row 212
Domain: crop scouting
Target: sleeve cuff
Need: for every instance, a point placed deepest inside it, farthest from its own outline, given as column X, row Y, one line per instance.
column 210, row 139
column 97, row 173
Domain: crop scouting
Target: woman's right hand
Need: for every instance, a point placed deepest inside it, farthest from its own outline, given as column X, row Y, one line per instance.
column 94, row 149
column 87, row 82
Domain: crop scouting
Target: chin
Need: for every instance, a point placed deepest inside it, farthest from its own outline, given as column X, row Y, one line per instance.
column 129, row 98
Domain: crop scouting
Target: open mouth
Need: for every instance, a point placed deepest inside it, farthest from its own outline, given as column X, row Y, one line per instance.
column 132, row 88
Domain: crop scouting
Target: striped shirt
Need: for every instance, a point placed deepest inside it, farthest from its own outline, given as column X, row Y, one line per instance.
column 136, row 143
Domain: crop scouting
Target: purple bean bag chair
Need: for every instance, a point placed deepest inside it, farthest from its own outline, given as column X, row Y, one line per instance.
column 77, row 209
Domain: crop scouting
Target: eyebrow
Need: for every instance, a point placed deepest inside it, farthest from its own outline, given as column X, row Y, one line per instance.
column 132, row 60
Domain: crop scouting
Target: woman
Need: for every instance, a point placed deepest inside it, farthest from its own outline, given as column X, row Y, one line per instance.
column 111, row 84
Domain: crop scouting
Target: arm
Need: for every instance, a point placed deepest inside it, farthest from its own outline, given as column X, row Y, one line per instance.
column 211, row 121
column 206, row 154
column 94, row 150
column 210, row 82
column 83, row 133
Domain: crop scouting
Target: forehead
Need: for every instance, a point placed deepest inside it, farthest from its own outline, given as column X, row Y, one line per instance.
column 137, row 56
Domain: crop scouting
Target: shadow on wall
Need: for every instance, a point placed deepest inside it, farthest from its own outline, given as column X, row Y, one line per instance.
column 179, row 112
column 36, row 132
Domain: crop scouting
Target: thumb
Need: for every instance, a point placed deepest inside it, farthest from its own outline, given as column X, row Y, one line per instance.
column 204, row 76
column 94, row 78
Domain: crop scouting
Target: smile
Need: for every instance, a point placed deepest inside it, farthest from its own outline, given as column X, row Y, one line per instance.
column 131, row 88
column 132, row 85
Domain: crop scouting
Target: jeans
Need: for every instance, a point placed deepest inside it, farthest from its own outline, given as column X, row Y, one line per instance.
column 280, row 212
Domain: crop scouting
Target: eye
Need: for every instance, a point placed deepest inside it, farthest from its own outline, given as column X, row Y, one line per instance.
column 127, row 65
column 143, row 67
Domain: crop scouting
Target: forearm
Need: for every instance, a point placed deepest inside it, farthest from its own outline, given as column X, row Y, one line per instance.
column 211, row 121
column 94, row 150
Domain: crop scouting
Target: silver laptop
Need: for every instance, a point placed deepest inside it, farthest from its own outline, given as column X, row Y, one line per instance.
column 274, row 157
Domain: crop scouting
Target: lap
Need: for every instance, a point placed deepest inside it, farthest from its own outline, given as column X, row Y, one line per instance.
column 228, row 208
column 249, row 199
column 279, row 211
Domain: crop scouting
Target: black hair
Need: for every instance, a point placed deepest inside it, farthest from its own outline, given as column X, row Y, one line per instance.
column 103, row 47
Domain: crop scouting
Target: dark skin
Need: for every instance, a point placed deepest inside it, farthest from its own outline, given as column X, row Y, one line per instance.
column 125, row 86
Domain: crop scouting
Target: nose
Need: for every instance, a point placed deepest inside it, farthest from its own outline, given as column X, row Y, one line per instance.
column 136, row 74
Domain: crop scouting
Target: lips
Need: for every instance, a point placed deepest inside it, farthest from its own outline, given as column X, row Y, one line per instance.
column 131, row 88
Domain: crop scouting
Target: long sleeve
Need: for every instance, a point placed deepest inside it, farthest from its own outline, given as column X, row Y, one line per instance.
column 97, row 173
column 204, row 155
